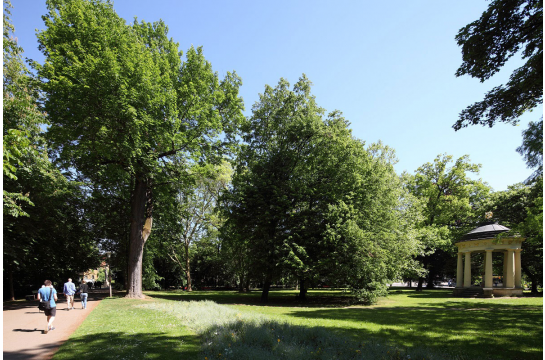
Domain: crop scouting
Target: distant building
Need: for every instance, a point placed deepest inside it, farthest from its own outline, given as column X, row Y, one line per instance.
column 91, row 275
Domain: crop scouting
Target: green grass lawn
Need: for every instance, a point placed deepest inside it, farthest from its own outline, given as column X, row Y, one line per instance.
column 119, row 328
column 430, row 322
column 508, row 328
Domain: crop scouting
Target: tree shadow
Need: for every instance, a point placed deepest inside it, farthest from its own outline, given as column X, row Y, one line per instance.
column 117, row 345
column 276, row 299
column 502, row 332
column 33, row 304
column 29, row 354
column 273, row 339
column 22, row 304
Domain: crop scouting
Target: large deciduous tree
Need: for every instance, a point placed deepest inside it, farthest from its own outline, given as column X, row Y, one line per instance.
column 506, row 27
column 44, row 228
column 264, row 194
column 532, row 148
column 193, row 216
column 520, row 208
column 21, row 135
column 311, row 201
column 448, row 195
column 122, row 104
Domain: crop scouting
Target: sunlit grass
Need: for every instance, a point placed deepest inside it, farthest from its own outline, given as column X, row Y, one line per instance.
column 228, row 334
column 428, row 324
column 482, row 328
column 119, row 329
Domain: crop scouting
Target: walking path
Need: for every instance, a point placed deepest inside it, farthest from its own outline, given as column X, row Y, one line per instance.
column 24, row 325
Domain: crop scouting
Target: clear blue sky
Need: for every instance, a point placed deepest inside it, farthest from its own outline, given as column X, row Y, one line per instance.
column 388, row 66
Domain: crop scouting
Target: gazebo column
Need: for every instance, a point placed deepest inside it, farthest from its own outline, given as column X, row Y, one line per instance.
column 504, row 275
column 460, row 271
column 510, row 269
column 467, row 270
column 488, row 269
column 518, row 275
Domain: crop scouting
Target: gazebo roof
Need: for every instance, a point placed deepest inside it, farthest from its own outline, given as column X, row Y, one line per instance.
column 484, row 232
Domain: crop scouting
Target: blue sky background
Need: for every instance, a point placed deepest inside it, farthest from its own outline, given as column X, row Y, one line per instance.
column 388, row 66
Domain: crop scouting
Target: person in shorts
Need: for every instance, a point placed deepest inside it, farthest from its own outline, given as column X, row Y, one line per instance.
column 48, row 292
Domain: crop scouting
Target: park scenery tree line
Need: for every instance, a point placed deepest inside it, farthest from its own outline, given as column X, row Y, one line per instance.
column 120, row 143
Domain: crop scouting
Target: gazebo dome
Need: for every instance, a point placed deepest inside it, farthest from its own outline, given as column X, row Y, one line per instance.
column 484, row 232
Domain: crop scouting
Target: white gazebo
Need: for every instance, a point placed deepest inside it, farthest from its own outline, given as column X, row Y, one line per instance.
column 485, row 239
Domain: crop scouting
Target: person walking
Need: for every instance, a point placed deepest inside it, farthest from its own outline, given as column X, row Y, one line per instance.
column 69, row 291
column 46, row 293
column 83, row 292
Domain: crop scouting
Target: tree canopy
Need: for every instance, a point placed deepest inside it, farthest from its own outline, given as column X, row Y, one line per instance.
column 122, row 103
column 449, row 197
column 506, row 27
column 45, row 220
column 311, row 201
column 532, row 148
column 520, row 208
column 23, row 145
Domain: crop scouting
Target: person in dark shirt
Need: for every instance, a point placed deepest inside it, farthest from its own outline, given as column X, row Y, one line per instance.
column 83, row 292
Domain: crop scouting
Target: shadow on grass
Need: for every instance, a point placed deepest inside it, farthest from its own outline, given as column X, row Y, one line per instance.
column 276, row 298
column 495, row 332
column 279, row 340
column 116, row 345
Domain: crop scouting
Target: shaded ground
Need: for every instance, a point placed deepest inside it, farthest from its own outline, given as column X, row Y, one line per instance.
column 319, row 298
column 24, row 324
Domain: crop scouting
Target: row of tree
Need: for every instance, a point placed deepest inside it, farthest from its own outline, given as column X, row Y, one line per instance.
column 114, row 135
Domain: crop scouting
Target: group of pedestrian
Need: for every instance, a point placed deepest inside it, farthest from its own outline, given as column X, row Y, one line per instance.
column 48, row 293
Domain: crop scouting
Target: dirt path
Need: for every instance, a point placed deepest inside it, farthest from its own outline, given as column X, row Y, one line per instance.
column 24, row 325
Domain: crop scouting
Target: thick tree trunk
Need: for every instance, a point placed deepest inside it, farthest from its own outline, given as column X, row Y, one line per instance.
column 141, row 222
column 266, row 288
column 431, row 276
column 534, row 286
column 533, row 279
column 303, row 290
column 420, row 282
column 247, row 284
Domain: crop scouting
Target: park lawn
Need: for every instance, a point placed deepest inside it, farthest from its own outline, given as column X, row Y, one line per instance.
column 510, row 328
column 120, row 328
column 500, row 328
column 432, row 323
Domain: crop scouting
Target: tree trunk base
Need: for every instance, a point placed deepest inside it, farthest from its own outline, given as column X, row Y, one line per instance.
column 133, row 296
